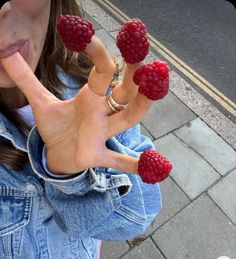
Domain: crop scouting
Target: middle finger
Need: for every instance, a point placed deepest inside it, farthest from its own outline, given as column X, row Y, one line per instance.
column 126, row 90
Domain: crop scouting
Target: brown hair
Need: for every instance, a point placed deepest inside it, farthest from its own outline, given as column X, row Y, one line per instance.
column 54, row 53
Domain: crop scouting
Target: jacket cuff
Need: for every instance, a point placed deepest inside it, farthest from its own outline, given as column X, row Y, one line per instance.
column 57, row 176
column 79, row 184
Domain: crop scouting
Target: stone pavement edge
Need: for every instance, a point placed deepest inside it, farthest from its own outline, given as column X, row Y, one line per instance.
column 198, row 218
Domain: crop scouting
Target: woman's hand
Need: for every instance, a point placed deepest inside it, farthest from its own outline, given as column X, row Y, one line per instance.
column 75, row 131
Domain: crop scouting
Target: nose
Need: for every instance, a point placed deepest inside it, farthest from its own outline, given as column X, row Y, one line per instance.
column 2, row 2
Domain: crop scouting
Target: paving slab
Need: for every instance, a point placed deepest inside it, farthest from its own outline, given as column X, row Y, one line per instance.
column 91, row 19
column 224, row 194
column 167, row 115
column 136, row 240
column 105, row 20
column 145, row 132
column 108, row 41
column 147, row 249
column 113, row 34
column 190, row 171
column 151, row 57
column 200, row 231
column 203, row 108
column 211, row 146
column 174, row 199
column 113, row 250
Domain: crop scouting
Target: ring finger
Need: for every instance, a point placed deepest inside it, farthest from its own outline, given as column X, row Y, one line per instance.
column 125, row 90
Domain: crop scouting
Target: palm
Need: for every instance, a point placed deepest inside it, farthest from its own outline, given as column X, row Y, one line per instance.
column 78, row 124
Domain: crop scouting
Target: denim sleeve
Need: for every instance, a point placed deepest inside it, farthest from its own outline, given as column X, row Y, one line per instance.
column 139, row 207
column 80, row 183
column 61, row 176
column 104, row 203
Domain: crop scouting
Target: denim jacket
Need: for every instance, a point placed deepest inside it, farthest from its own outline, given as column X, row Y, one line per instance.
column 45, row 217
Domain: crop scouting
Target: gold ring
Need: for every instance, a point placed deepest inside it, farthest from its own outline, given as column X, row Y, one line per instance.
column 110, row 105
column 116, row 105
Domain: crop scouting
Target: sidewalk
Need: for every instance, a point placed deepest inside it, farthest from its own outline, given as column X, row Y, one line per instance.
column 198, row 218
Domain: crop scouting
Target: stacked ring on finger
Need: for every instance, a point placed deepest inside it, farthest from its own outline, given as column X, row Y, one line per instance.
column 119, row 68
column 115, row 107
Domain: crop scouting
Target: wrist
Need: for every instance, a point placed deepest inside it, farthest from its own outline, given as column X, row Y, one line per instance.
column 55, row 165
column 54, row 169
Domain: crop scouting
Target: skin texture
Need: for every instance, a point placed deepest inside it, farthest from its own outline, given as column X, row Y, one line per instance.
column 82, row 124
column 2, row 2
column 23, row 19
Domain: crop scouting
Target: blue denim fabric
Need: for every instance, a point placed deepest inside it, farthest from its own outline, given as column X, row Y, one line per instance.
column 44, row 217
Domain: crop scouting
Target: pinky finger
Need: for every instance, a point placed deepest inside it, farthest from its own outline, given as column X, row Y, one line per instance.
column 120, row 161
column 151, row 166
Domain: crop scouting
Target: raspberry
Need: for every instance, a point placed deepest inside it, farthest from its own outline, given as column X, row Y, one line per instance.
column 153, row 167
column 132, row 41
column 75, row 32
column 153, row 79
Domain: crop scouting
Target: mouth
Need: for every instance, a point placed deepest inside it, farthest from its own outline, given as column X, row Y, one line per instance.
column 22, row 47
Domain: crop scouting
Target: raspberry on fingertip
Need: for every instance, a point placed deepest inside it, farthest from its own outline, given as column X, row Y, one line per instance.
column 153, row 79
column 132, row 41
column 75, row 32
column 153, row 167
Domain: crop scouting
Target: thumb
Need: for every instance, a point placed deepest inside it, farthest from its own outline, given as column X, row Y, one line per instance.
column 23, row 76
column 151, row 166
column 120, row 161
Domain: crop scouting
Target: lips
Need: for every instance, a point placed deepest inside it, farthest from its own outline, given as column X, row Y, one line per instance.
column 14, row 48
column 22, row 47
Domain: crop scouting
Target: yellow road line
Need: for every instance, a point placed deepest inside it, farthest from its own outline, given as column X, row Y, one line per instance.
column 211, row 90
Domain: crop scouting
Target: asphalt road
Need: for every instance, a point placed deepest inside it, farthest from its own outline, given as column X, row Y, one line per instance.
column 201, row 33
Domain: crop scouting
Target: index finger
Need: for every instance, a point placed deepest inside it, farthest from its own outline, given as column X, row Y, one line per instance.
column 23, row 76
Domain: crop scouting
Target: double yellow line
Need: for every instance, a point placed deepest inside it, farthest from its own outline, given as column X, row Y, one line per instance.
column 211, row 90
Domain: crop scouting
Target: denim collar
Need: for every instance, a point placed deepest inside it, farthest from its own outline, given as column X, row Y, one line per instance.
column 9, row 131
